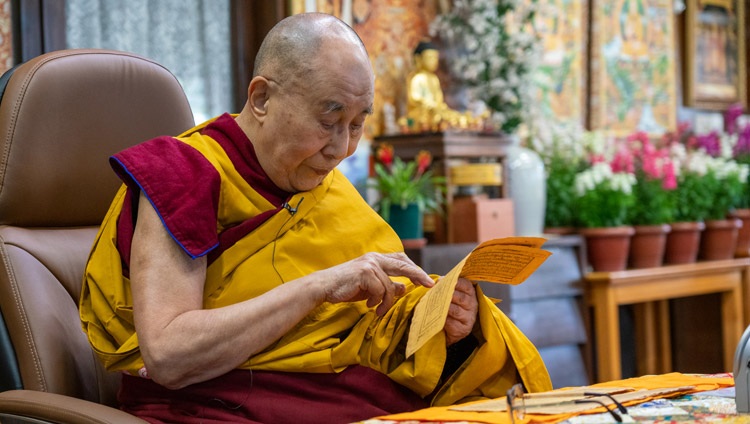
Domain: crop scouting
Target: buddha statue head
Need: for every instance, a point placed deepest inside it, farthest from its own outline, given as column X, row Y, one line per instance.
column 426, row 56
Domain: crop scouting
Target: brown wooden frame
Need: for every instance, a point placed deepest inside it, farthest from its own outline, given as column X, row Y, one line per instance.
column 705, row 94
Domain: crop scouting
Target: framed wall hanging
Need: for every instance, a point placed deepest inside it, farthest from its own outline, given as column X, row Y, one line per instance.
column 561, row 76
column 715, row 67
column 6, row 36
column 632, row 67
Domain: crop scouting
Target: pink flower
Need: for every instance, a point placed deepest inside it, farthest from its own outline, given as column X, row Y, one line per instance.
column 670, row 180
column 730, row 117
column 596, row 158
column 623, row 161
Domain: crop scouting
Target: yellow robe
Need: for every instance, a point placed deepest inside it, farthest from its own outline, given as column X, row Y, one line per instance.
column 333, row 224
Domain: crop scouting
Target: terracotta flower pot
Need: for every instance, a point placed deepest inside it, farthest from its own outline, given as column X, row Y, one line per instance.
column 560, row 231
column 607, row 248
column 683, row 242
column 719, row 239
column 647, row 246
column 743, row 235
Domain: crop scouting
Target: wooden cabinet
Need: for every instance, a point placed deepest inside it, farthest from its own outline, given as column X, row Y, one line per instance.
column 478, row 219
column 449, row 149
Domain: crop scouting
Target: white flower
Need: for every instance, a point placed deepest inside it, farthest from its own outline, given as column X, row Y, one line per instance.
column 600, row 175
column 494, row 54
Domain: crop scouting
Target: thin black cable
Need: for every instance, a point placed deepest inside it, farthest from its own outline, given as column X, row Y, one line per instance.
column 292, row 211
column 620, row 406
column 614, row 414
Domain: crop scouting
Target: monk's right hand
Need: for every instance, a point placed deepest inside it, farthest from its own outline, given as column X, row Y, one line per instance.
column 368, row 277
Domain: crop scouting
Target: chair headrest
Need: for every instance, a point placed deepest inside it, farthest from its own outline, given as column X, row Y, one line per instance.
column 62, row 115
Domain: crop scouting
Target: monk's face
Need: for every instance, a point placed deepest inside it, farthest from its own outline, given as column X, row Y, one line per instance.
column 316, row 121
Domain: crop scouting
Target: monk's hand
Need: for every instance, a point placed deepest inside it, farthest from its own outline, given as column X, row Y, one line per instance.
column 368, row 277
column 462, row 313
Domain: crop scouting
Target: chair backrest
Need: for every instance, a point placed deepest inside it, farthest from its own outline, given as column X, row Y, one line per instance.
column 62, row 115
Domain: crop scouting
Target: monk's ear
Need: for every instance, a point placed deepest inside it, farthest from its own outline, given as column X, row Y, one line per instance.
column 258, row 94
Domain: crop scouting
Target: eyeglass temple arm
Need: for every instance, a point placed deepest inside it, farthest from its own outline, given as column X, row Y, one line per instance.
column 619, row 405
column 614, row 414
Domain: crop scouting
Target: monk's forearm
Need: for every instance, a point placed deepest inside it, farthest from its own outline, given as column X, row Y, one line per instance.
column 202, row 344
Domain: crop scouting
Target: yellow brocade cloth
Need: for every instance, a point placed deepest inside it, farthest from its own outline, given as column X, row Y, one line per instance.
column 332, row 225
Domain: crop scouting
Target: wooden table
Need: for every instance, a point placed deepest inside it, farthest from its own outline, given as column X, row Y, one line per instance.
column 651, row 289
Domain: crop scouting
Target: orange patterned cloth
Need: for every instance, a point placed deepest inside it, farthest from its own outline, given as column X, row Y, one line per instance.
column 445, row 414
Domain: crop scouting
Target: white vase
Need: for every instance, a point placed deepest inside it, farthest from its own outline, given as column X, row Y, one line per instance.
column 527, row 187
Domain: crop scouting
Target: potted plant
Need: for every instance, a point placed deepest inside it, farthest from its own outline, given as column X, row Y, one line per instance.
column 560, row 180
column 406, row 190
column 603, row 198
column 560, row 145
column 692, row 201
column 741, row 153
column 726, row 180
column 653, row 210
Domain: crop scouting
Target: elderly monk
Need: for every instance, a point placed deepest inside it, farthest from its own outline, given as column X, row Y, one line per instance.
column 239, row 277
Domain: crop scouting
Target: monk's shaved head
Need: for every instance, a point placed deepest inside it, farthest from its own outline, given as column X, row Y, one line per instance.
column 291, row 47
column 312, row 88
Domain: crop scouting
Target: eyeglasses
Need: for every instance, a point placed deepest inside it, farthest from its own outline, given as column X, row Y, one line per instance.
column 517, row 404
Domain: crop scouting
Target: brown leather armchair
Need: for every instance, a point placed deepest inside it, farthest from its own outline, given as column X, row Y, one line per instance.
column 62, row 115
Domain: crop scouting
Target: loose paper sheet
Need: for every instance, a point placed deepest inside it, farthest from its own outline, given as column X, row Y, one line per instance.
column 508, row 261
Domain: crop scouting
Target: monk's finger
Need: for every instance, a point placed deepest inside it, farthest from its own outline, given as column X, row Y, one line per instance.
column 399, row 265
column 382, row 290
column 462, row 299
column 375, row 290
column 388, row 298
column 459, row 315
column 465, row 286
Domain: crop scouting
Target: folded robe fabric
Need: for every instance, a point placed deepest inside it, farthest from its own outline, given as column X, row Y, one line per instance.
column 214, row 199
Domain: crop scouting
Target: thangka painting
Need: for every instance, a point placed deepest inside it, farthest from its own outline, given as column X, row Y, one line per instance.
column 561, row 75
column 391, row 29
column 6, row 40
column 632, row 66
column 714, row 53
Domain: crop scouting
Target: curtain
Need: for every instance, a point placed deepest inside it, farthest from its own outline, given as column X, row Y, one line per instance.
column 191, row 38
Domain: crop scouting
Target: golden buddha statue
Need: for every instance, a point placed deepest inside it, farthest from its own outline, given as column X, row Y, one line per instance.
column 426, row 107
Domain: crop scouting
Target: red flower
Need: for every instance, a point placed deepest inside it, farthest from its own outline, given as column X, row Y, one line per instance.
column 424, row 159
column 385, row 155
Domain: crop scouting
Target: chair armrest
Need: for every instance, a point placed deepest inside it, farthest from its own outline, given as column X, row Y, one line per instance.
column 55, row 408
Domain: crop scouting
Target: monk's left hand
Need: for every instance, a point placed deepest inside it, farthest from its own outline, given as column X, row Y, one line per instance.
column 462, row 313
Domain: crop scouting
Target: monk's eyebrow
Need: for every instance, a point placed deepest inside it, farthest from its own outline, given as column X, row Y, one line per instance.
column 334, row 106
